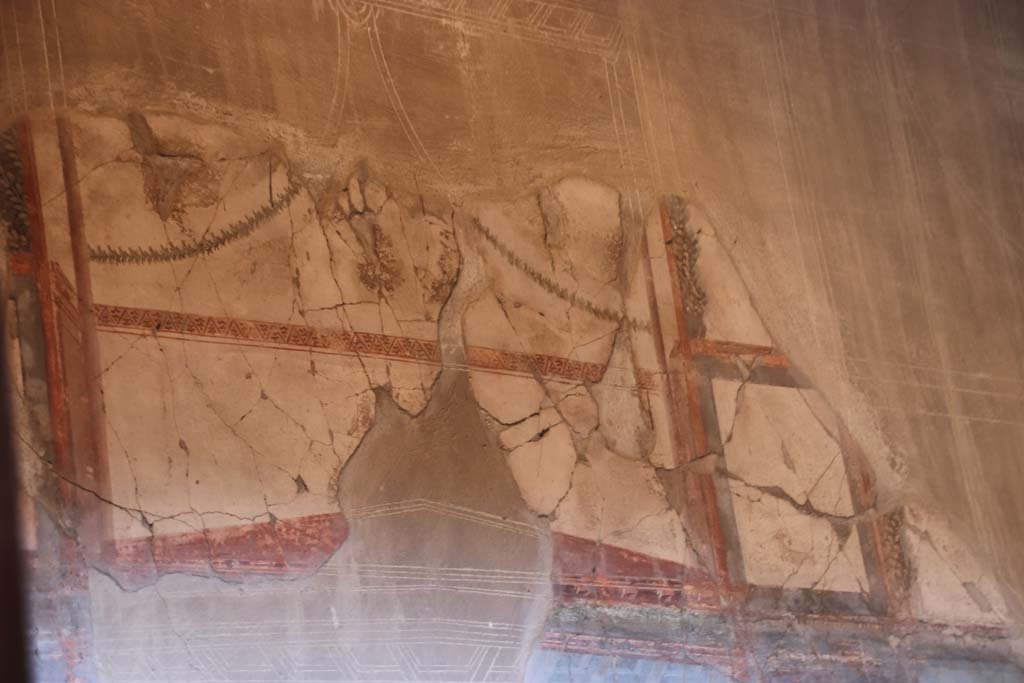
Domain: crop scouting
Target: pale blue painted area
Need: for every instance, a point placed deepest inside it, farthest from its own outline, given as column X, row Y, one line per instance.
column 547, row 666
column 971, row 672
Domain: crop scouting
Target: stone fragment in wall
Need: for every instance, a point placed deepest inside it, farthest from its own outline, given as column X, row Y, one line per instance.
column 543, row 468
column 949, row 583
column 374, row 195
column 355, row 195
column 789, row 489
column 621, row 502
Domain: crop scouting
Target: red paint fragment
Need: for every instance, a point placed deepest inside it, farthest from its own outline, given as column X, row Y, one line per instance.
column 587, row 570
column 279, row 548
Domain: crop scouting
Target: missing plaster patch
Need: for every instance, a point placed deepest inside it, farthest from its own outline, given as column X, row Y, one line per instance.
column 167, row 172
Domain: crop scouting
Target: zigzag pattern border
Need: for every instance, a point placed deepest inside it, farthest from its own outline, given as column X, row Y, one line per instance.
column 121, row 318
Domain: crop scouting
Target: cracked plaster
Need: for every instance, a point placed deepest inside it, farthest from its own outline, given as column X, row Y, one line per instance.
column 247, row 434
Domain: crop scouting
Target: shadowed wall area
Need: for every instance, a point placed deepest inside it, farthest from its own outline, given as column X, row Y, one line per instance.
column 517, row 340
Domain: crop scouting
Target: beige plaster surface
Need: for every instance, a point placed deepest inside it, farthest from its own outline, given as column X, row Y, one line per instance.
column 473, row 176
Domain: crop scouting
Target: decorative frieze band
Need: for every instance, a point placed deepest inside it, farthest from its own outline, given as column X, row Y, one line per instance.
column 344, row 342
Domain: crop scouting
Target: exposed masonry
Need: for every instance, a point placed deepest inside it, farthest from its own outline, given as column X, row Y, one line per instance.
column 205, row 245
